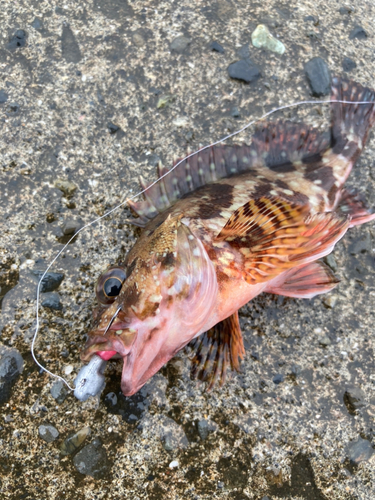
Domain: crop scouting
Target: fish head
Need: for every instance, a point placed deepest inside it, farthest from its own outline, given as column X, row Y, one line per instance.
column 154, row 304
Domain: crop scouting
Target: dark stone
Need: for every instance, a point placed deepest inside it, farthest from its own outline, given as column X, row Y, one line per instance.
column 17, row 40
column 113, row 128
column 354, row 399
column 92, row 460
column 359, row 451
column 312, row 19
column 265, row 498
column 346, row 10
column 69, row 47
column 358, row 32
column 12, row 109
column 215, row 46
column 278, row 378
column 51, row 281
column 48, row 432
column 244, row 52
column 245, row 71
column 11, row 365
column 59, row 391
column 180, row 43
column 71, row 226
column 111, row 399
column 37, row 24
column 348, row 64
column 235, row 112
column 318, row 76
column 3, row 97
column 52, row 301
column 74, row 441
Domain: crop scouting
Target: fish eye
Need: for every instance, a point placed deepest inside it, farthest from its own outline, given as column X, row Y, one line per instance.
column 109, row 285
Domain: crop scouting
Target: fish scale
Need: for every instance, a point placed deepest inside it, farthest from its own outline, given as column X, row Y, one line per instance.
column 226, row 224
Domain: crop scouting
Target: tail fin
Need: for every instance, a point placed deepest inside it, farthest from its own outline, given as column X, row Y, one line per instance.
column 351, row 123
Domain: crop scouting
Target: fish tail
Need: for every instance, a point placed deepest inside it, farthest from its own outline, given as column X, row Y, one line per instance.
column 351, row 123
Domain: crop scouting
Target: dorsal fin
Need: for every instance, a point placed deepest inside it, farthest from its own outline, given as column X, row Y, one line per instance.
column 275, row 145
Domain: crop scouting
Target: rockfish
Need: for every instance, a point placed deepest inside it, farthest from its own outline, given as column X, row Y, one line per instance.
column 227, row 224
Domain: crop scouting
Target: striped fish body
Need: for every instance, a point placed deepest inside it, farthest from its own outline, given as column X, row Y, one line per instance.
column 227, row 224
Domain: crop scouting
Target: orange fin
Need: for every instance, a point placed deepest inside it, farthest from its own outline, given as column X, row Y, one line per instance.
column 305, row 282
column 274, row 235
column 351, row 203
column 216, row 350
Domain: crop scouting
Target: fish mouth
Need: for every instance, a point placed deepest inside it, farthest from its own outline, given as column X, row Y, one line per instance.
column 117, row 344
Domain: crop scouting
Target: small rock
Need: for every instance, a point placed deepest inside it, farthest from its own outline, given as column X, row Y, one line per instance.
column 235, row 112
column 348, row 64
column 244, row 52
column 111, row 399
column 295, row 370
column 220, row 485
column 312, row 19
column 11, row 365
column 216, row 47
column 354, row 399
column 51, row 281
column 59, row 391
column 346, row 10
column 180, row 43
column 181, row 121
column 170, row 433
column 17, row 40
column 74, row 441
column 331, row 262
column 330, row 301
column 113, row 128
column 37, row 24
column 262, row 39
column 173, row 464
column 71, row 226
column 278, row 378
column 12, row 109
column 3, row 97
column 67, row 187
column 318, row 76
column 52, row 301
column 358, row 32
column 92, row 460
column 48, row 433
column 359, row 451
column 244, row 70
column 265, row 498
column 69, row 47
column 325, row 341
column 164, row 101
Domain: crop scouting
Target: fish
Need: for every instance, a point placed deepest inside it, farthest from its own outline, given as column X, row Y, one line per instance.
column 228, row 223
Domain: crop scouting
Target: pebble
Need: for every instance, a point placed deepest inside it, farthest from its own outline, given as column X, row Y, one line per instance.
column 173, row 464
column 318, row 76
column 346, row 10
column 37, row 24
column 244, row 52
column 74, row 441
column 11, row 365
column 359, row 451
column 92, row 460
column 180, row 43
column 325, row 341
column 164, row 101
column 52, row 301
column 330, row 260
column 111, row 399
column 262, row 39
column 216, row 47
column 244, row 70
column 3, row 97
column 51, row 281
column 358, row 32
column 17, row 40
column 354, row 398
column 330, row 301
column 59, row 391
column 71, row 226
column 70, row 50
column 348, row 64
column 48, row 433
column 278, row 378
column 113, row 128
column 67, row 187
column 235, row 112
column 12, row 109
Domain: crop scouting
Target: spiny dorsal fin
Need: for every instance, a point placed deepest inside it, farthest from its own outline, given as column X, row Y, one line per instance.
column 274, row 235
column 216, row 350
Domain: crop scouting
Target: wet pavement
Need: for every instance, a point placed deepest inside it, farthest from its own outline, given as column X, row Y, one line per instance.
column 92, row 95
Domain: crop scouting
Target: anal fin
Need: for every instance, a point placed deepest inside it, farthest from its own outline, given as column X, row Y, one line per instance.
column 351, row 203
column 304, row 282
column 216, row 350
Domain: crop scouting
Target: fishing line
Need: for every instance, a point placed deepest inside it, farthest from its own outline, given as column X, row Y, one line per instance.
column 281, row 108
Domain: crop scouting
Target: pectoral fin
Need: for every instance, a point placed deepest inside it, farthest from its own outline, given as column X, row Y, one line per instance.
column 274, row 235
column 351, row 203
column 304, row 282
column 216, row 350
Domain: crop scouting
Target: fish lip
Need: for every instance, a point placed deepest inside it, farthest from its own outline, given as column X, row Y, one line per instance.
column 99, row 342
